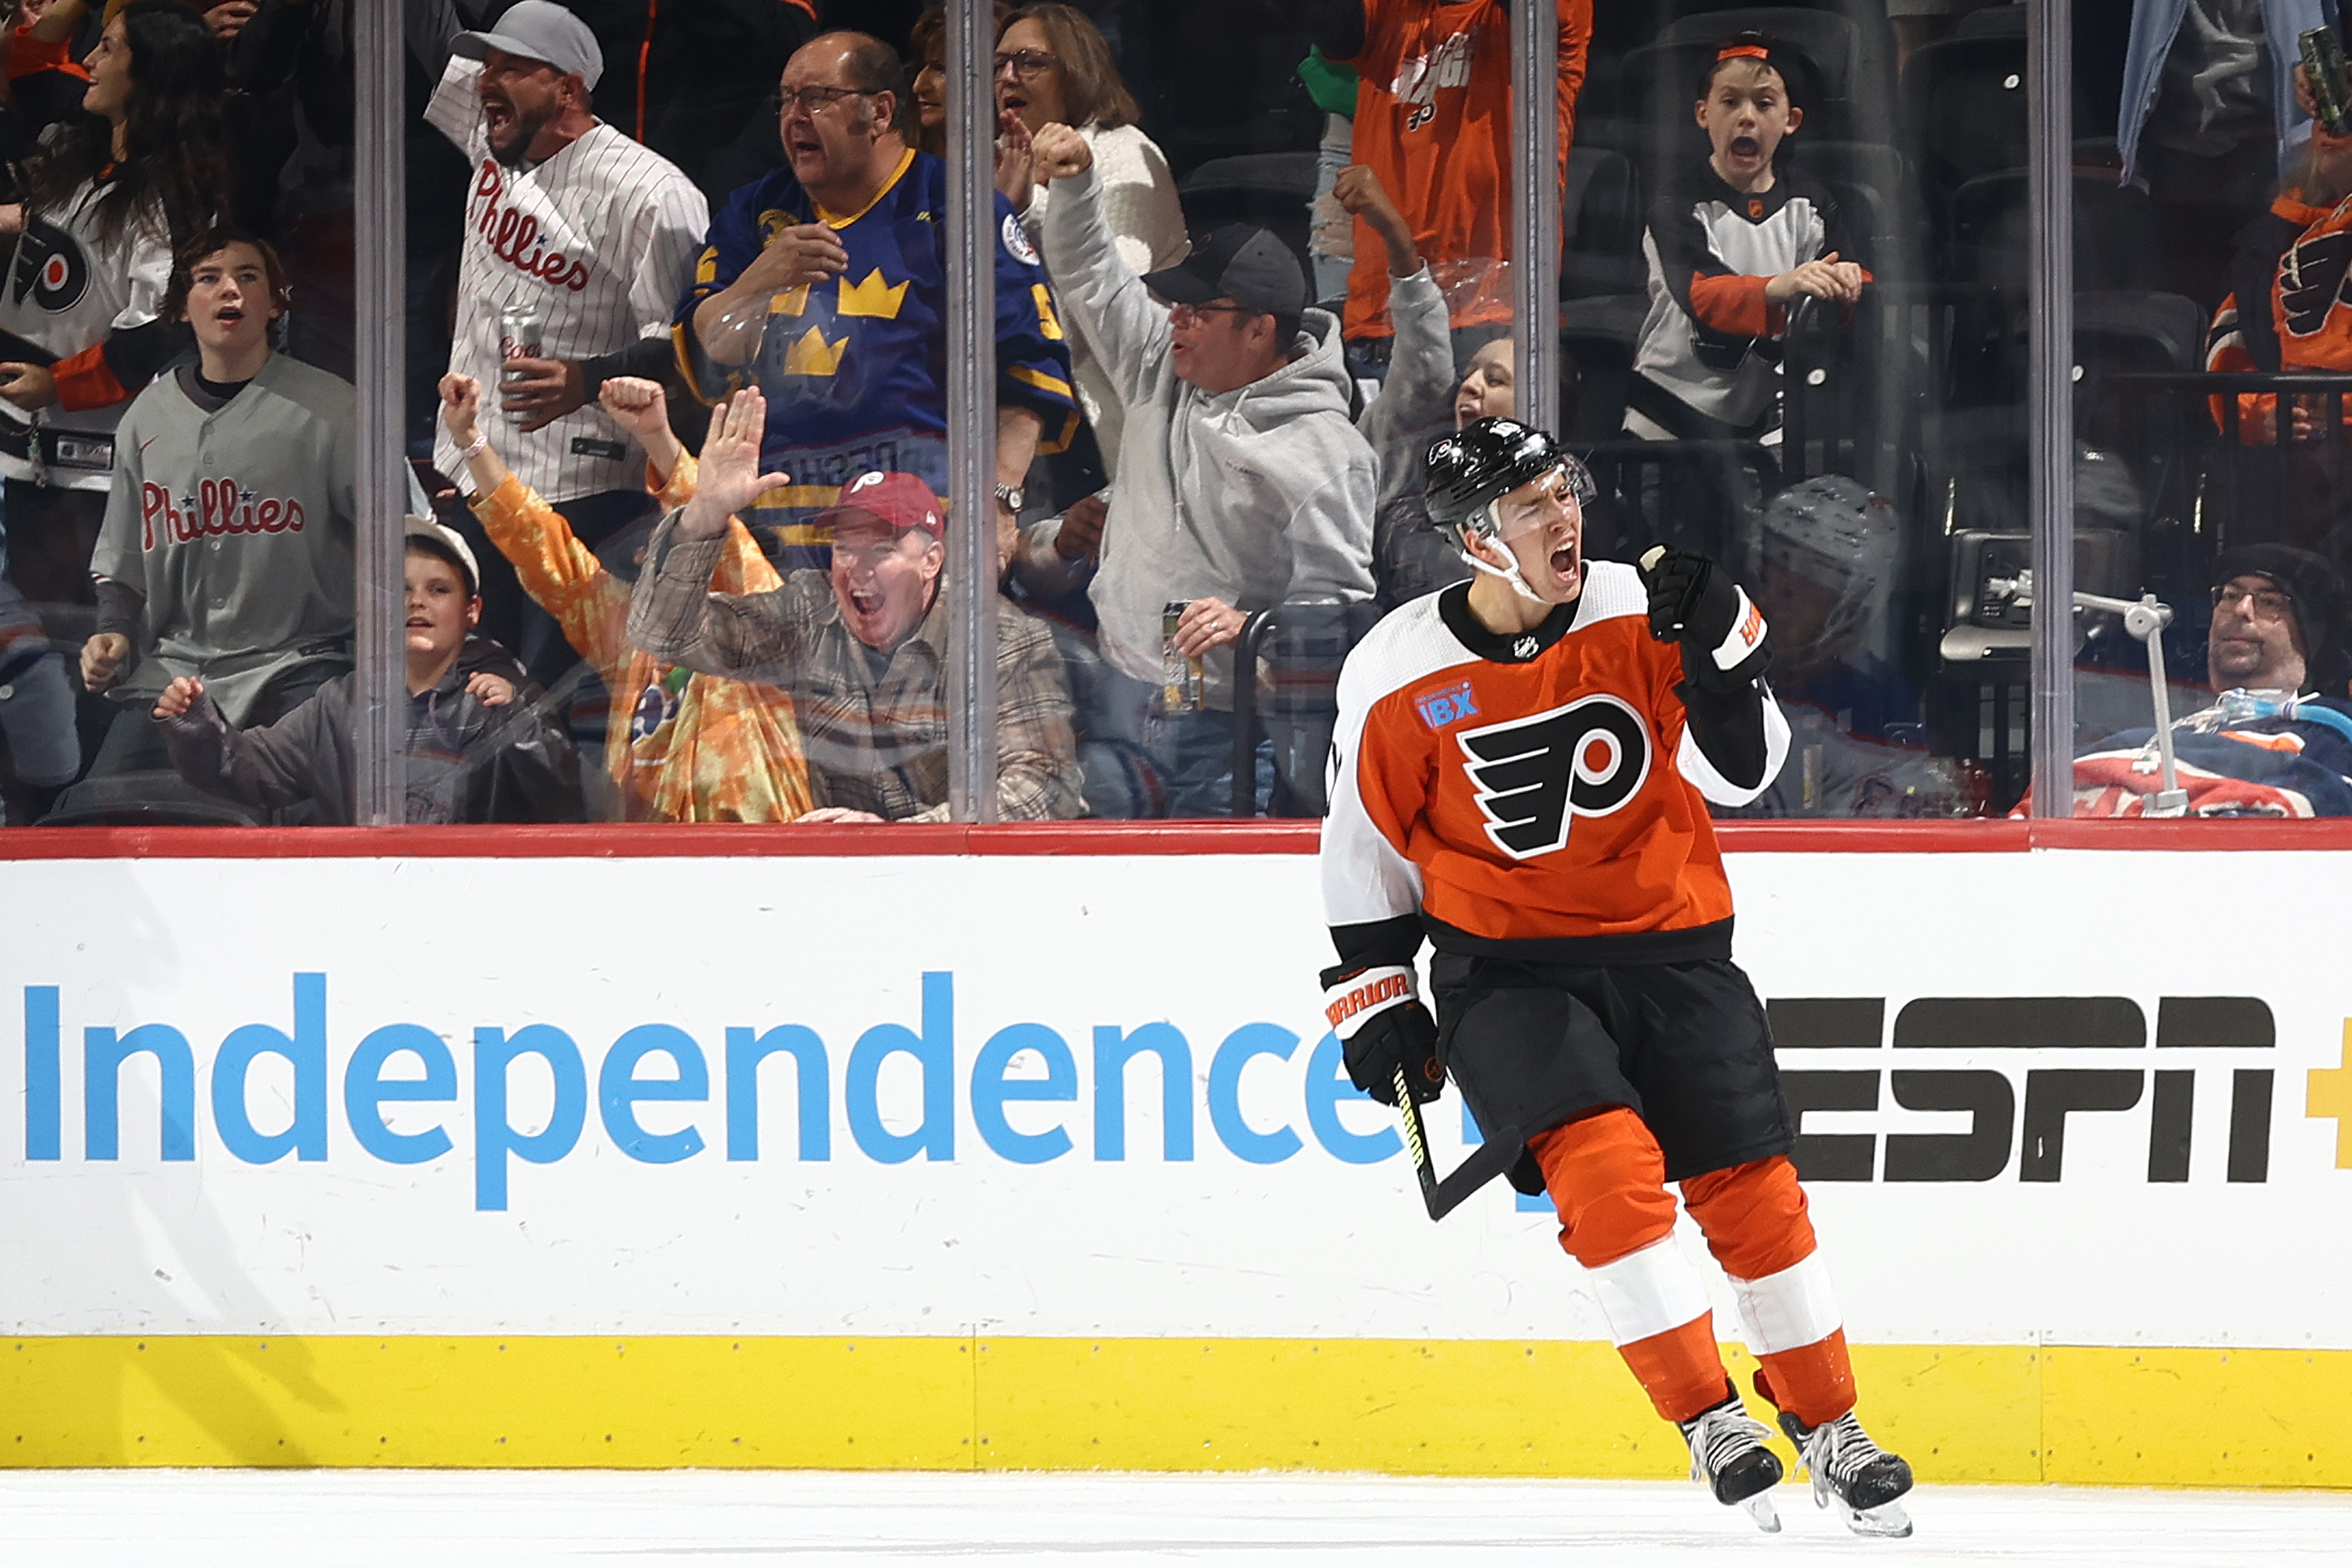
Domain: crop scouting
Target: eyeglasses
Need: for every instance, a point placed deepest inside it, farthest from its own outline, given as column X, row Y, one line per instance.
column 2269, row 604
column 1187, row 315
column 1027, row 63
column 813, row 100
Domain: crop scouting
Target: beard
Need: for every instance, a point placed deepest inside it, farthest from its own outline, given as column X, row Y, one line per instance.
column 511, row 150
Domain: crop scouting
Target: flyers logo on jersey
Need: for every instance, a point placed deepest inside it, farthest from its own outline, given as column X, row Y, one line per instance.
column 50, row 268
column 1535, row 776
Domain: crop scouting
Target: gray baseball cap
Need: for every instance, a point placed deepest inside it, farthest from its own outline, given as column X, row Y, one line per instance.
column 538, row 30
column 1240, row 262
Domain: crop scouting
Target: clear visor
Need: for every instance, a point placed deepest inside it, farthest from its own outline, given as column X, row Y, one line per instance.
column 1535, row 505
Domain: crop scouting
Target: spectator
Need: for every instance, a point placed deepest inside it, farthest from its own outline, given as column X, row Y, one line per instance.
column 2278, row 740
column 1733, row 242
column 1434, row 120
column 2210, row 123
column 1052, row 68
column 2283, row 312
column 1246, row 486
column 1410, row 557
column 104, row 199
column 927, row 47
column 863, row 648
column 680, row 747
column 568, row 216
column 45, row 81
column 825, row 286
column 226, row 549
column 479, row 748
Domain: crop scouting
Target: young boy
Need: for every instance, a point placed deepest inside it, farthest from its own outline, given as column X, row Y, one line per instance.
column 1733, row 242
column 475, row 753
column 226, row 549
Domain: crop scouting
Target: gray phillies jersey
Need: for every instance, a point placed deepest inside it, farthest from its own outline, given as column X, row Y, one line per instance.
column 237, row 526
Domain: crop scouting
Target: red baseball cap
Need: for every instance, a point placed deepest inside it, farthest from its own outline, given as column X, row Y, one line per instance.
column 899, row 501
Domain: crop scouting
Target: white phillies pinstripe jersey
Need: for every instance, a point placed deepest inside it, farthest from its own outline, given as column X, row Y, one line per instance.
column 602, row 237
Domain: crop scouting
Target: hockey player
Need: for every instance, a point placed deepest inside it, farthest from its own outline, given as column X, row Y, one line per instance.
column 1523, row 763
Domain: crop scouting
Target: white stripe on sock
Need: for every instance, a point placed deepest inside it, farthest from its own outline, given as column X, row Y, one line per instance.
column 1648, row 1292
column 1795, row 1306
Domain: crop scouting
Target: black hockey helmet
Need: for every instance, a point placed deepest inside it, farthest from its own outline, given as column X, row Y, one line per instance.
column 1486, row 458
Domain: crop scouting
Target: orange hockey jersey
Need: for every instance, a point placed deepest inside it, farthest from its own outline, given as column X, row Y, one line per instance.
column 1507, row 790
column 1433, row 120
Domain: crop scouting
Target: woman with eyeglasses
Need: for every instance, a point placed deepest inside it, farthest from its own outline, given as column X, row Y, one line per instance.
column 1053, row 67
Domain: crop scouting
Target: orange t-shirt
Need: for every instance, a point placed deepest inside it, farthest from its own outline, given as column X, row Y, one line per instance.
column 1433, row 122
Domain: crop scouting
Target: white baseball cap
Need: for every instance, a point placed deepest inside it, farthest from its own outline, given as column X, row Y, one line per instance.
column 440, row 538
column 538, row 30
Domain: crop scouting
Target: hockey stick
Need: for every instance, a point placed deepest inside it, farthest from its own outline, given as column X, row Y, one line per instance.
column 1487, row 1161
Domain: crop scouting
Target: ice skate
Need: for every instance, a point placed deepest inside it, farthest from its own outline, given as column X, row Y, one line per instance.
column 1727, row 1452
column 1862, row 1480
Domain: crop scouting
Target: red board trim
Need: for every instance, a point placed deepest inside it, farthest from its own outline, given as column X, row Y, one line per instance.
column 654, row 841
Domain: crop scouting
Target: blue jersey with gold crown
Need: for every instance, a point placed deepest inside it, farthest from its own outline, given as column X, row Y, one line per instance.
column 855, row 369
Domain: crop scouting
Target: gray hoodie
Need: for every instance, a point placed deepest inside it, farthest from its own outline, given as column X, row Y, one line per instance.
column 1255, row 496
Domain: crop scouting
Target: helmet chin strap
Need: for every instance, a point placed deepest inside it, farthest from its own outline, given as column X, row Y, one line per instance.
column 1509, row 573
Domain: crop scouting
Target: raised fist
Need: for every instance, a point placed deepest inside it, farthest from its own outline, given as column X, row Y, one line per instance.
column 1057, row 153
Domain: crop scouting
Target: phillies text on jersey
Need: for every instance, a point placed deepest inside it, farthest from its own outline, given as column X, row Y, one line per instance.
column 600, row 238
column 1537, row 787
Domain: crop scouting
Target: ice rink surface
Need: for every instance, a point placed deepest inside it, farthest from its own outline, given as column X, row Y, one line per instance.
column 423, row 1519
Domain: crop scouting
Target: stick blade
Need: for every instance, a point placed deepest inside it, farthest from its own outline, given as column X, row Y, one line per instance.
column 1486, row 1162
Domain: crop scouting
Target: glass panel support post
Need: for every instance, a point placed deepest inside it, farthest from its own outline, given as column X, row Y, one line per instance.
column 971, row 244
column 380, row 785
column 1535, row 212
column 2050, row 411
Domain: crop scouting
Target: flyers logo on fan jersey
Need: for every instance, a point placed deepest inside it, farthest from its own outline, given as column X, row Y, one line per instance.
column 1535, row 776
column 2311, row 282
column 51, row 268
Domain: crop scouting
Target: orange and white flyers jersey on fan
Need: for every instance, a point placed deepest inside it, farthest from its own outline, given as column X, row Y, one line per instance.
column 1543, row 794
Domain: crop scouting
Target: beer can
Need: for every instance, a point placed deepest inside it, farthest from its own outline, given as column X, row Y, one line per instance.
column 519, row 327
column 2331, row 92
column 1182, row 689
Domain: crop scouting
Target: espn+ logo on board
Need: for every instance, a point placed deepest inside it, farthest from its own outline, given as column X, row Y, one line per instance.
column 2023, row 1071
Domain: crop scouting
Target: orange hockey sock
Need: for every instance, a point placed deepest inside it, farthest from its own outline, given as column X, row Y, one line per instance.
column 1607, row 1178
column 1756, row 1223
column 1813, row 1382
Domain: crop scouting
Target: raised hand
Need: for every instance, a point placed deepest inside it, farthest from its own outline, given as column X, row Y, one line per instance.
column 102, row 657
column 461, row 408
column 731, row 479
column 804, row 253
column 1059, row 152
column 637, row 404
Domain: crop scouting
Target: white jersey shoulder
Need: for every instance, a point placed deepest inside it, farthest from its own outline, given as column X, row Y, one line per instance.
column 1611, row 588
column 1407, row 643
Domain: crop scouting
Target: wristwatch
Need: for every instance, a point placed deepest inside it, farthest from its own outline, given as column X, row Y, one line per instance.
column 1013, row 497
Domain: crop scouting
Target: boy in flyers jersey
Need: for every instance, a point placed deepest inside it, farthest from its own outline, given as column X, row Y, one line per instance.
column 1521, row 772
column 1733, row 242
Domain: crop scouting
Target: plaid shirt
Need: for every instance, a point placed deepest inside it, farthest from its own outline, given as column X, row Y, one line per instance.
column 875, row 743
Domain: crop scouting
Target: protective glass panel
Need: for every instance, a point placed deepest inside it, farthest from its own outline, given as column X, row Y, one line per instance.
column 1242, row 498
column 176, row 419
column 1794, row 310
column 2210, row 381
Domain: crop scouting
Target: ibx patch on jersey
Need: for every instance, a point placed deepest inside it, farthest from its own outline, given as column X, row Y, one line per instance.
column 1439, row 708
column 1016, row 241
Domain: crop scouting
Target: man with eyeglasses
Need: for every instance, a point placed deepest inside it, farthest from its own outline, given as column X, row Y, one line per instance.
column 1243, row 483
column 2277, row 742
column 824, row 285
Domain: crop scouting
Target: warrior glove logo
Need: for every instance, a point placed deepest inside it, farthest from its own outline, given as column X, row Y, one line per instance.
column 1535, row 775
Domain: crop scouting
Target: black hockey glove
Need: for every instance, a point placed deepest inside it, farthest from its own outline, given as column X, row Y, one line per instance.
column 1381, row 1026
column 1692, row 599
column 1693, row 602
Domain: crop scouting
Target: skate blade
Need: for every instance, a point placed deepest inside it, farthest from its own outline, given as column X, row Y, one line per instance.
column 1768, row 1518
column 1888, row 1521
